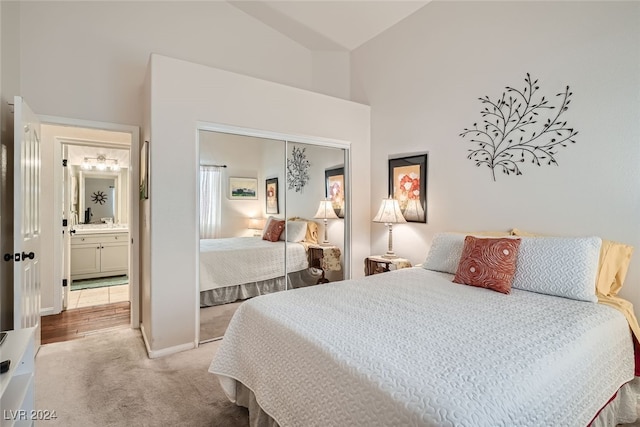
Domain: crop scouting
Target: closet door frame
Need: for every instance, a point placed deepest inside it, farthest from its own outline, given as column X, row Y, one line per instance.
column 286, row 138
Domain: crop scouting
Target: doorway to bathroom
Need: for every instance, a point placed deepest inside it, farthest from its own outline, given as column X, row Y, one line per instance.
column 93, row 196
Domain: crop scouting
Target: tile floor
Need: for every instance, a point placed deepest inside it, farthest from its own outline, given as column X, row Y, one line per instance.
column 97, row 296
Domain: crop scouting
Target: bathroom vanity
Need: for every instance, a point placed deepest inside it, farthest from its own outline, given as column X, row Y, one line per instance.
column 99, row 252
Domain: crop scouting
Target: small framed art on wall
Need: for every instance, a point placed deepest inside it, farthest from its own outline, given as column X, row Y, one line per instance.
column 243, row 188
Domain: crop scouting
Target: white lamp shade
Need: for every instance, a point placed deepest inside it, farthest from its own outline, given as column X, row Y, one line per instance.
column 414, row 210
column 389, row 212
column 325, row 210
column 256, row 223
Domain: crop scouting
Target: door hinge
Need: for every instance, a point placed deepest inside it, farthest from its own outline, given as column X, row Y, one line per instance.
column 64, row 283
column 64, row 163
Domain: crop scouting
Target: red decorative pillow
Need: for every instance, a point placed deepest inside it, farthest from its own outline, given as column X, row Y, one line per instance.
column 488, row 263
column 274, row 230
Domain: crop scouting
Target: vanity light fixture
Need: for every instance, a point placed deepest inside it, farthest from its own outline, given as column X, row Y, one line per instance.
column 101, row 163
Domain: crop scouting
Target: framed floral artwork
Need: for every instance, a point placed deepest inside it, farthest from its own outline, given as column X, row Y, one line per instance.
column 271, row 199
column 334, row 189
column 408, row 185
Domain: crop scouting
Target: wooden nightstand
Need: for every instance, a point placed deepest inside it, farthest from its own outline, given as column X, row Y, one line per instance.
column 326, row 258
column 376, row 264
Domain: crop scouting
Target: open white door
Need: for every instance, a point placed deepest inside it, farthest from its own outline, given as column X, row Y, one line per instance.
column 65, row 244
column 26, row 229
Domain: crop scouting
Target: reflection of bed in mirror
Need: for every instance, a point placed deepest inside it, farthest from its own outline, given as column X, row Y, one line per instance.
column 238, row 268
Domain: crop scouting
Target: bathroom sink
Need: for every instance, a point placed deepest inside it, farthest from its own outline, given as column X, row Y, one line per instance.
column 100, row 229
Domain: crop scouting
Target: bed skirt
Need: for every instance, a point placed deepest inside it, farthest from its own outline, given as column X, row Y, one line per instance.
column 229, row 294
column 623, row 409
column 620, row 411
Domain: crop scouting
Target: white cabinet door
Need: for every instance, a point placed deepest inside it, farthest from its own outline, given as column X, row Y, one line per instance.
column 114, row 257
column 85, row 259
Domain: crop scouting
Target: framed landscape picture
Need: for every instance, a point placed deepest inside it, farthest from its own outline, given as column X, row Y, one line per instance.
column 334, row 189
column 243, row 188
column 271, row 198
column 408, row 185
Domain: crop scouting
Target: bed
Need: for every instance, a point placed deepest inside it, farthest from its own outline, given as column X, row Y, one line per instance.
column 413, row 347
column 239, row 268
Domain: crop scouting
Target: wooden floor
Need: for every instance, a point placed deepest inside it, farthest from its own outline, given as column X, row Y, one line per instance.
column 79, row 322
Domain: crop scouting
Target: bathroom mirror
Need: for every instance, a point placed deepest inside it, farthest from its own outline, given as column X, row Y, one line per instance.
column 103, row 197
column 95, row 191
column 99, row 198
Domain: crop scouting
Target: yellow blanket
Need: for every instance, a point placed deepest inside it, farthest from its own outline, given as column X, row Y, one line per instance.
column 626, row 308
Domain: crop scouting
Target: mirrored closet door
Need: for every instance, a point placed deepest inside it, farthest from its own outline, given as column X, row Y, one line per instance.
column 315, row 195
column 265, row 207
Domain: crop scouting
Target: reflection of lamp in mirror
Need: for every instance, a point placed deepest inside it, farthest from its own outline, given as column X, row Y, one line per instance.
column 325, row 212
column 256, row 224
column 413, row 211
column 389, row 214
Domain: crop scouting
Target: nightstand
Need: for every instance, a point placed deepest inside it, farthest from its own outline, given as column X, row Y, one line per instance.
column 376, row 264
column 326, row 258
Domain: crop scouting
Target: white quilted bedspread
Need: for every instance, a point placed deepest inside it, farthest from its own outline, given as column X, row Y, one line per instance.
column 411, row 348
column 237, row 260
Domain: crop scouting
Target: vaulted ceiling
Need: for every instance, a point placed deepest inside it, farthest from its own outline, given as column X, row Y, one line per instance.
column 330, row 25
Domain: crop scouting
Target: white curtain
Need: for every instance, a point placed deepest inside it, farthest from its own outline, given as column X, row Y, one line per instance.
column 210, row 201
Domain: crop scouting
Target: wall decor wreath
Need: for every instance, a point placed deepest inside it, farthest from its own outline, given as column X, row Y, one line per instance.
column 520, row 126
column 298, row 169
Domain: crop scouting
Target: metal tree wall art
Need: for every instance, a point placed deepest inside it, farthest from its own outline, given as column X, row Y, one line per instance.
column 298, row 169
column 520, row 126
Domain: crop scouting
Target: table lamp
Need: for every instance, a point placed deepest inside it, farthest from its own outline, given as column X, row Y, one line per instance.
column 256, row 224
column 389, row 214
column 325, row 212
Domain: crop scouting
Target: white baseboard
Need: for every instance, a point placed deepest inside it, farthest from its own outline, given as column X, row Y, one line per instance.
column 48, row 311
column 154, row 354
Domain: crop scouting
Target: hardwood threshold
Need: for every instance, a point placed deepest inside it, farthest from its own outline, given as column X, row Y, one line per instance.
column 80, row 322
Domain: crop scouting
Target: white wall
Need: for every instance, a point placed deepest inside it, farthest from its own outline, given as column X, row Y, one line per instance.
column 423, row 79
column 87, row 60
column 183, row 93
column 9, row 87
column 330, row 73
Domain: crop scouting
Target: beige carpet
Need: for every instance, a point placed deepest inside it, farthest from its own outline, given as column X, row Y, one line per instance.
column 106, row 379
column 214, row 320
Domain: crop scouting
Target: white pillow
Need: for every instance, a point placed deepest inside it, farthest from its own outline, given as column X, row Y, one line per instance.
column 560, row 266
column 445, row 252
column 296, row 231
